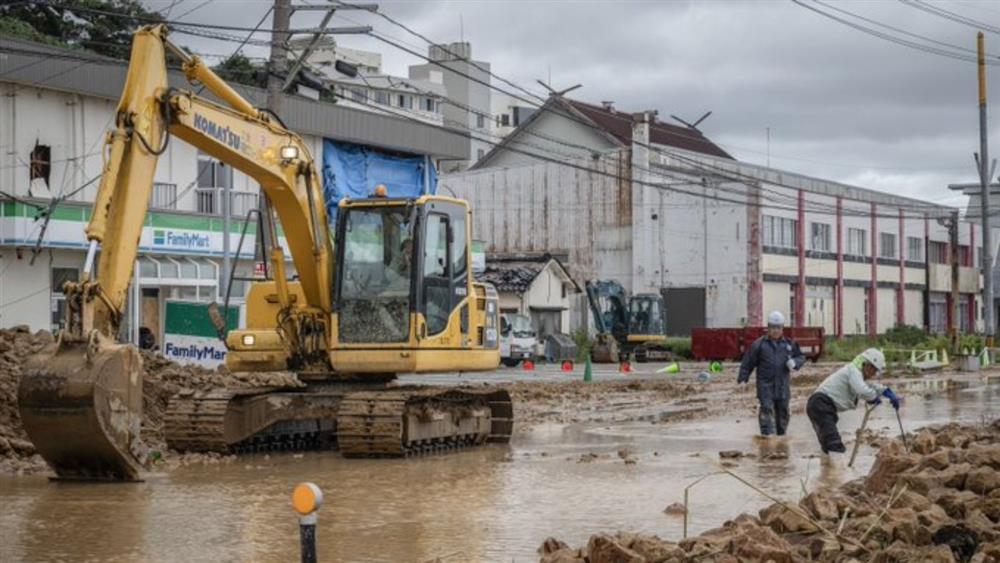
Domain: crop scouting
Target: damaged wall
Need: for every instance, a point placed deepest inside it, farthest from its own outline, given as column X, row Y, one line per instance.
column 554, row 208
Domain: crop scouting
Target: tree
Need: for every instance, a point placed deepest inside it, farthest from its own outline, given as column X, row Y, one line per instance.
column 100, row 26
column 241, row 70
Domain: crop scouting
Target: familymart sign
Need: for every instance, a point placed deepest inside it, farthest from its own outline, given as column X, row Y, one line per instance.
column 189, row 336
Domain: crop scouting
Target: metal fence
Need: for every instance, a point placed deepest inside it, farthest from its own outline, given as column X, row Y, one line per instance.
column 164, row 196
column 209, row 202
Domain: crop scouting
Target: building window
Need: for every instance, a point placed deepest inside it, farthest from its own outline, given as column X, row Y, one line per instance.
column 40, row 163
column 213, row 176
column 938, row 314
column 164, row 196
column 505, row 120
column 480, row 121
column 916, row 249
column 964, row 256
column 405, row 102
column 59, row 277
column 780, row 232
column 479, row 154
column 820, row 237
column 359, row 95
column 857, row 242
column 429, row 104
column 887, row 242
column 382, row 97
column 937, row 252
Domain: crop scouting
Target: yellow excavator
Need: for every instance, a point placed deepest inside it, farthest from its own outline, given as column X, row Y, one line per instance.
column 392, row 293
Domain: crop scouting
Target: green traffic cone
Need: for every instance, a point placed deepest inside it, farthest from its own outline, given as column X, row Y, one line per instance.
column 588, row 371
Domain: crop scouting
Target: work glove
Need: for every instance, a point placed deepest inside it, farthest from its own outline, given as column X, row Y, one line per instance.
column 893, row 398
column 875, row 401
column 791, row 364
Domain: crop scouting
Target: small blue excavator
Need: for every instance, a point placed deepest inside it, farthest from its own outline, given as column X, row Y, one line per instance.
column 626, row 327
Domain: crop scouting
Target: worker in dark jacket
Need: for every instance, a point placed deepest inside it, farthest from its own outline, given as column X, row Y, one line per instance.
column 774, row 357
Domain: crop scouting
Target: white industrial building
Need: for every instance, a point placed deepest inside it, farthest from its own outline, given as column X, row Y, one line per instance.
column 661, row 208
column 56, row 106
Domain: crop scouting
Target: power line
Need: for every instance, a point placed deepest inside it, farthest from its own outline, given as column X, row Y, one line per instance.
column 949, row 15
column 898, row 30
column 705, row 167
column 891, row 38
column 617, row 177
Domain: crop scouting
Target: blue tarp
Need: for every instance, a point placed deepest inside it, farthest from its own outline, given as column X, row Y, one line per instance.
column 353, row 171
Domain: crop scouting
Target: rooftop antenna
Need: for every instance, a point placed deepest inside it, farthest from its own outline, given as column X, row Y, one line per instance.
column 695, row 124
column 554, row 92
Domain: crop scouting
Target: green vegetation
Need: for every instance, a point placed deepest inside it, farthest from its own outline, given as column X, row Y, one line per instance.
column 68, row 25
column 680, row 346
column 896, row 343
column 241, row 70
column 583, row 345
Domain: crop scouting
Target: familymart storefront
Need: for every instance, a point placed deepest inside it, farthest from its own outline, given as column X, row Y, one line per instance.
column 180, row 259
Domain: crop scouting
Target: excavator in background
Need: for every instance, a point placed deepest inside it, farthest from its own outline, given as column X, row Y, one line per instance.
column 626, row 327
column 392, row 294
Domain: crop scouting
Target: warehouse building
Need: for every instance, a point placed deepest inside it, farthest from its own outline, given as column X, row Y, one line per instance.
column 56, row 106
column 662, row 208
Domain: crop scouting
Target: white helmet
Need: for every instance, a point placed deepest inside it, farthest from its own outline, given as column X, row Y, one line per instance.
column 776, row 319
column 875, row 357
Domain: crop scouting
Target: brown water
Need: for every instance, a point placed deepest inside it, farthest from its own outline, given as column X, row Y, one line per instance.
column 495, row 504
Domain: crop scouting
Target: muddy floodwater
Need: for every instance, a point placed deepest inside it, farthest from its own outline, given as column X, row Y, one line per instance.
column 493, row 504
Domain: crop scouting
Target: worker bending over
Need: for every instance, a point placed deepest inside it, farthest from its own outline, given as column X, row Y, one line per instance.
column 774, row 356
column 840, row 392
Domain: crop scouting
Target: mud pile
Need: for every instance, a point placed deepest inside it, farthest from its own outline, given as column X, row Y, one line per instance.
column 162, row 379
column 17, row 454
column 940, row 502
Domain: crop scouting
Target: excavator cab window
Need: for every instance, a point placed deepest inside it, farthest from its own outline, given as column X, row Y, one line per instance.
column 376, row 274
column 646, row 315
column 445, row 272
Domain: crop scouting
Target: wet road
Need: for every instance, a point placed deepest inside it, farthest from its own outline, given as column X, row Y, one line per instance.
column 495, row 504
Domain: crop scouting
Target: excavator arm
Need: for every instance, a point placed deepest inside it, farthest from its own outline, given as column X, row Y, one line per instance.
column 81, row 404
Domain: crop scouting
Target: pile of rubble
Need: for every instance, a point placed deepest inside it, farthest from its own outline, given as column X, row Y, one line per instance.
column 17, row 454
column 940, row 502
column 162, row 379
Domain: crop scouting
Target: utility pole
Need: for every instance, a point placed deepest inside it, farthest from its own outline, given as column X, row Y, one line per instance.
column 983, row 161
column 953, row 306
column 276, row 67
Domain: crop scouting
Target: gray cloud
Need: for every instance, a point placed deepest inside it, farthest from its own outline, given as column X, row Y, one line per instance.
column 840, row 104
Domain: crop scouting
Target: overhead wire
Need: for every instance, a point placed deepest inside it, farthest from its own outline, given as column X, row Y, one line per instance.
column 703, row 166
column 893, row 39
column 949, row 15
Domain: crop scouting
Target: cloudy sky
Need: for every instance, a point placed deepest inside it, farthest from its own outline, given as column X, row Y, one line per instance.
column 840, row 104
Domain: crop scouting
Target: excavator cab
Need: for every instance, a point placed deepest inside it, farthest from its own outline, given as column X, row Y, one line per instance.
column 646, row 315
column 403, row 291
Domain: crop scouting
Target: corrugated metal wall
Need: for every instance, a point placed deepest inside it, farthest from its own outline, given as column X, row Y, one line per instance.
column 555, row 208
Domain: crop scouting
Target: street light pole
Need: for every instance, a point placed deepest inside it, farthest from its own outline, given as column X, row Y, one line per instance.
column 984, row 180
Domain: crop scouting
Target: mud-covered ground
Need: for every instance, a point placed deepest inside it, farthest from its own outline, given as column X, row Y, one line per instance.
column 162, row 379
column 613, row 398
column 937, row 501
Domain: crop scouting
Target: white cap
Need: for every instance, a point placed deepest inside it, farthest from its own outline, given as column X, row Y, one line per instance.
column 875, row 357
column 776, row 319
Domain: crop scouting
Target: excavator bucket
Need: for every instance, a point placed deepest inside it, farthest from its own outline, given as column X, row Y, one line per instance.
column 81, row 405
column 605, row 349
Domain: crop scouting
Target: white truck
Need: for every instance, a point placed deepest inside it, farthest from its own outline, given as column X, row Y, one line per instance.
column 517, row 339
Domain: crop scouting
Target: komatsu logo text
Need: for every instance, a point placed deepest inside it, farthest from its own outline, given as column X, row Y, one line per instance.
column 216, row 131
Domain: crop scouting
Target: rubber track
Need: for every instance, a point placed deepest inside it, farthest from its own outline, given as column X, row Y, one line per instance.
column 371, row 424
